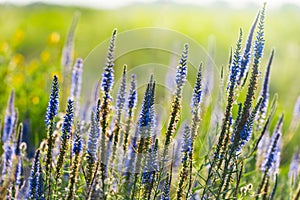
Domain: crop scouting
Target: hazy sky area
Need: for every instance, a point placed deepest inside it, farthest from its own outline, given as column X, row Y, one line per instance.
column 119, row 3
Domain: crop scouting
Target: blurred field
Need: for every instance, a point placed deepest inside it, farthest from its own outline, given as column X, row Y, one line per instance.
column 31, row 39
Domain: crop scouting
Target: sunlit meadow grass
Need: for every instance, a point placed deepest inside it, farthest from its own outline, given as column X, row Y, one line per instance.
column 117, row 152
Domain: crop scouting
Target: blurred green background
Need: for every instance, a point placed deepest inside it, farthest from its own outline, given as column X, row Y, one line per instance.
column 32, row 37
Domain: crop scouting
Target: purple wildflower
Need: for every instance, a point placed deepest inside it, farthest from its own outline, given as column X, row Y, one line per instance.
column 19, row 167
column 53, row 103
column 186, row 147
column 197, row 93
column 76, row 84
column 10, row 118
column 76, row 79
column 236, row 63
column 294, row 167
column 245, row 60
column 120, row 102
column 182, row 71
column 68, row 120
column 108, row 74
column 68, row 50
column 166, row 189
column 296, row 114
column 34, row 181
column 7, row 161
column 40, row 185
column 260, row 41
column 147, row 115
column 265, row 93
column 274, row 149
column 246, row 132
column 77, row 145
column 132, row 98
column 151, row 165
column 94, row 132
